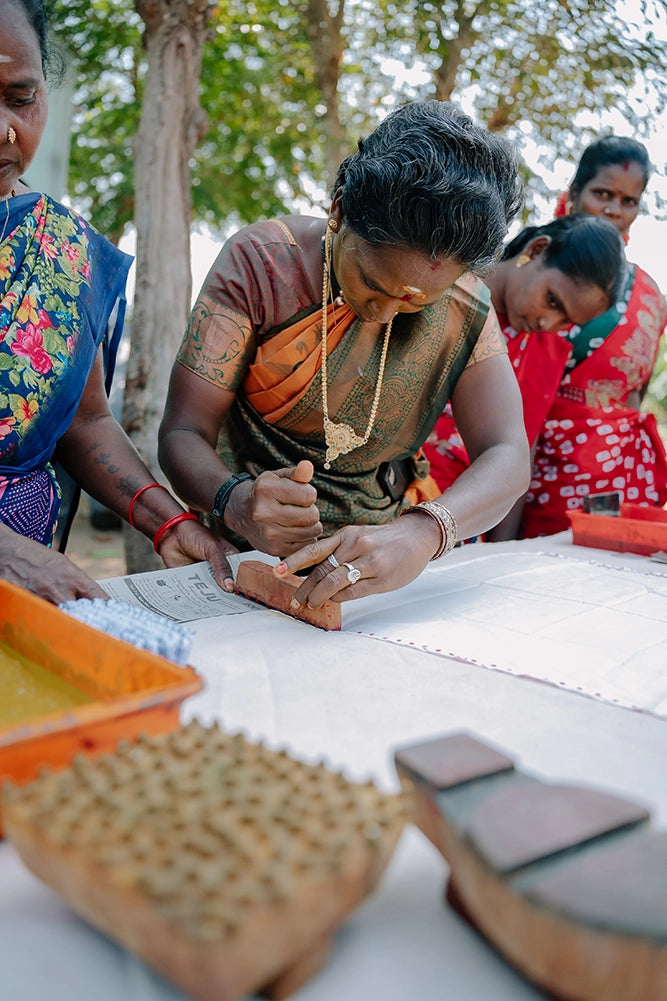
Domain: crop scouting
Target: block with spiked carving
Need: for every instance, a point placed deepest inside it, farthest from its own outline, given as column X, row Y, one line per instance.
column 224, row 865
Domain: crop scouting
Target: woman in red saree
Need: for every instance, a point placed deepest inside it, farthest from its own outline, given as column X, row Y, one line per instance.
column 595, row 438
column 321, row 352
column 582, row 390
column 565, row 272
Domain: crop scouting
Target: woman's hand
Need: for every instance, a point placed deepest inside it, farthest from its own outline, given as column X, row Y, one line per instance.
column 386, row 556
column 45, row 572
column 190, row 542
column 277, row 513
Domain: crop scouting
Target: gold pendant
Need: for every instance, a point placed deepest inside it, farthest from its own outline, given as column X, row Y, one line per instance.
column 339, row 439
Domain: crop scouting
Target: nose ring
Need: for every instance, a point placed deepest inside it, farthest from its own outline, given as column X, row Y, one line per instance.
column 11, row 135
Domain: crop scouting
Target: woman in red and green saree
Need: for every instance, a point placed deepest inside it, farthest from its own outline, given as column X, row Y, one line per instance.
column 321, row 352
column 595, row 439
column 582, row 390
column 550, row 277
column 60, row 284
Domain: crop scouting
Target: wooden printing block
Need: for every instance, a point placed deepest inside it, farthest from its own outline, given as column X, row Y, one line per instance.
column 224, row 865
column 257, row 581
column 569, row 883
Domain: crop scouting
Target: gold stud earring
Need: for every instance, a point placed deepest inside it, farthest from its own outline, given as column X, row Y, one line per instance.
column 11, row 135
column 523, row 259
column 333, row 225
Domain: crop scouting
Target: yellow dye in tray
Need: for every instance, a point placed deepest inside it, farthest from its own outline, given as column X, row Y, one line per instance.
column 28, row 690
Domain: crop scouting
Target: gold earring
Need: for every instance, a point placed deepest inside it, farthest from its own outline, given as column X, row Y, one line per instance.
column 523, row 259
column 11, row 135
column 569, row 205
column 333, row 225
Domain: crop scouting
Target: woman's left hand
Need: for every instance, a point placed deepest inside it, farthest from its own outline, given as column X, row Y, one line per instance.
column 191, row 542
column 386, row 557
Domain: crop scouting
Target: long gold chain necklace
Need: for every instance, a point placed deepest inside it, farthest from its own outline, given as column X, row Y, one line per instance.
column 342, row 438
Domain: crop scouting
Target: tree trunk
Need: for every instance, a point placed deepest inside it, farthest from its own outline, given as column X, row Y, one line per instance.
column 325, row 34
column 171, row 124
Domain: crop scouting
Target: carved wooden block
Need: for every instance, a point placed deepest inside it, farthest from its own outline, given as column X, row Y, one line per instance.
column 256, row 580
column 224, row 865
column 568, row 882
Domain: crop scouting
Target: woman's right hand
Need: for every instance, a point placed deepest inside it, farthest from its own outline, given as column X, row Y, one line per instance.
column 45, row 572
column 277, row 513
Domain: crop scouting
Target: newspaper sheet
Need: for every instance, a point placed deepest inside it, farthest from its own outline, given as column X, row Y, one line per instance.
column 185, row 594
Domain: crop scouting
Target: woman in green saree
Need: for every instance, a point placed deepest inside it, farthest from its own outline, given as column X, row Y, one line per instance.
column 320, row 353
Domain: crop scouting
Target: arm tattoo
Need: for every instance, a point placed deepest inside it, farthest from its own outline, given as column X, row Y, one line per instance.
column 218, row 344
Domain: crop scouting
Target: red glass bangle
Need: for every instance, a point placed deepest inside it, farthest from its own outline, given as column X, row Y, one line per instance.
column 140, row 491
column 169, row 523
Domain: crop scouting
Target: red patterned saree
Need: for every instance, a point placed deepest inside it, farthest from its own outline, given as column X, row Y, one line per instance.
column 594, row 440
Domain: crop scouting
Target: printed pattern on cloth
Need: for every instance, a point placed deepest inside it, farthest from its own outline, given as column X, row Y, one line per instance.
column 29, row 504
column 61, row 283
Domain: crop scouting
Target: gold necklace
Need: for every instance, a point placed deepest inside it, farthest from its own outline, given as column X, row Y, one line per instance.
column 342, row 438
column 13, row 194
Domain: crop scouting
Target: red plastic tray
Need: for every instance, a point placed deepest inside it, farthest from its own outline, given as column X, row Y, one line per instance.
column 639, row 529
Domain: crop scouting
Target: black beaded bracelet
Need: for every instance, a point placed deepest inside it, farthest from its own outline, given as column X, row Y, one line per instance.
column 224, row 493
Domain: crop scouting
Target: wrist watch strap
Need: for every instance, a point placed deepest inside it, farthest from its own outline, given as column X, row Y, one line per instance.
column 225, row 491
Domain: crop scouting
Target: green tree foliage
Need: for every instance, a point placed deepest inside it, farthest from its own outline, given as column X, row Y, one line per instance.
column 266, row 138
column 266, row 135
column 101, row 42
column 542, row 70
column 539, row 69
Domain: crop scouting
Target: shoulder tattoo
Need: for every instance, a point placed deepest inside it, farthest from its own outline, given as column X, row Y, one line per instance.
column 218, row 343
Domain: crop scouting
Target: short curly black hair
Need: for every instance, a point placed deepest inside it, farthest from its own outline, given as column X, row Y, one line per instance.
column 428, row 178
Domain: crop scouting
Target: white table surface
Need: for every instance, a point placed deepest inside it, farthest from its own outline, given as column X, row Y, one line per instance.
column 352, row 700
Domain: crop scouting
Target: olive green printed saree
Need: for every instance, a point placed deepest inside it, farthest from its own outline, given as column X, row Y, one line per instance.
column 427, row 354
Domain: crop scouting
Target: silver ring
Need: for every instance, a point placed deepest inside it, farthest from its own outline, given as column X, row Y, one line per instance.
column 353, row 575
column 333, row 561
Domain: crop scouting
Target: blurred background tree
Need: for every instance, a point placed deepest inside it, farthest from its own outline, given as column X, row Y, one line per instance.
column 289, row 85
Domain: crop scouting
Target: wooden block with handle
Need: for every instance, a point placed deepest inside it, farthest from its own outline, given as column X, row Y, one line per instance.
column 257, row 581
column 568, row 882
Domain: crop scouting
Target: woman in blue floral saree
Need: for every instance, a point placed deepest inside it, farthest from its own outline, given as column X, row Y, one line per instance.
column 60, row 283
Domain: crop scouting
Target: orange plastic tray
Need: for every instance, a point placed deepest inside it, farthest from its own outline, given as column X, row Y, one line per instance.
column 134, row 691
column 638, row 530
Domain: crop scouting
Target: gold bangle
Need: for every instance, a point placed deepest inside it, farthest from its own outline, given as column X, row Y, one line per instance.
column 446, row 523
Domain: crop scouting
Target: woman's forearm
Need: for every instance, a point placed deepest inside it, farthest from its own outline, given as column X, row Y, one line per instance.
column 104, row 462
column 193, row 467
column 488, row 490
